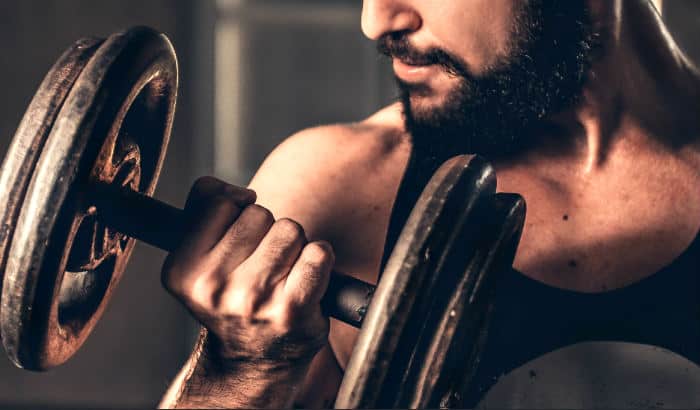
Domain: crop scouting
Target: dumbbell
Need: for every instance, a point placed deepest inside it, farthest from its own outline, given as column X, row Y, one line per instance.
column 78, row 181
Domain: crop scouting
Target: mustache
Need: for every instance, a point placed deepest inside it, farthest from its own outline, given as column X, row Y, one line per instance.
column 396, row 45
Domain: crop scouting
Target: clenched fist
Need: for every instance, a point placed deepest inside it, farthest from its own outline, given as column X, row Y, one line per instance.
column 255, row 283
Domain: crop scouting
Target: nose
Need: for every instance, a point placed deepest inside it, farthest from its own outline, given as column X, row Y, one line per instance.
column 380, row 17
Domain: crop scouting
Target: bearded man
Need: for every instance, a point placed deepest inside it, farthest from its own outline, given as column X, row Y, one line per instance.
column 587, row 108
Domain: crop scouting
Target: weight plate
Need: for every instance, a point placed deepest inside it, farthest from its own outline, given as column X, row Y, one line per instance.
column 63, row 265
column 30, row 137
column 445, row 359
column 450, row 207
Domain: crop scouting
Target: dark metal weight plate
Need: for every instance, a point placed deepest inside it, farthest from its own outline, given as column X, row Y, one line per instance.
column 62, row 266
column 30, row 137
column 452, row 205
column 446, row 357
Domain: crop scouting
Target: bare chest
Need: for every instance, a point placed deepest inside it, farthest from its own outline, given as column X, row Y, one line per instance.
column 608, row 235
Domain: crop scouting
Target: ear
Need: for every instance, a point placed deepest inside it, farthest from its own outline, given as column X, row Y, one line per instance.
column 659, row 5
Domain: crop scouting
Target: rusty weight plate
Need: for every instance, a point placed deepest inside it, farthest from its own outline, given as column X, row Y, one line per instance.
column 30, row 137
column 450, row 209
column 62, row 266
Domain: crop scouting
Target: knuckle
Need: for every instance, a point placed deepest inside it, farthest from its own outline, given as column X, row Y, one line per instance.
column 223, row 205
column 258, row 215
column 204, row 184
column 238, row 302
column 197, row 297
column 192, row 290
column 253, row 222
column 318, row 255
column 202, row 189
column 289, row 231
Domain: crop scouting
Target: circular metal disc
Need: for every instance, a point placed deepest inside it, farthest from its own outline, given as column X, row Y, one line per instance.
column 445, row 359
column 451, row 205
column 30, row 138
column 63, row 265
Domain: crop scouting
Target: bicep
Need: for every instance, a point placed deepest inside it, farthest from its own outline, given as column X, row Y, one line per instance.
column 298, row 181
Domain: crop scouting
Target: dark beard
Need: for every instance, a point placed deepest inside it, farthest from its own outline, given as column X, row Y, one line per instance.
column 494, row 114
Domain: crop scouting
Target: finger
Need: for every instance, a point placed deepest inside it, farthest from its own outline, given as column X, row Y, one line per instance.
column 180, row 275
column 207, row 187
column 308, row 280
column 208, row 227
column 244, row 236
column 275, row 256
column 211, row 208
column 197, row 291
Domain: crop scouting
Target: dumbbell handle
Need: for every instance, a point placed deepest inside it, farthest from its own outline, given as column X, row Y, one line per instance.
column 163, row 226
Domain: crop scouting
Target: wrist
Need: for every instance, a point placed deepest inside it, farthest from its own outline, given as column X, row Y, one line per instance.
column 242, row 385
column 228, row 381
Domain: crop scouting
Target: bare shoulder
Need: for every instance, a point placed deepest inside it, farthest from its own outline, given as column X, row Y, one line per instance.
column 316, row 153
column 327, row 171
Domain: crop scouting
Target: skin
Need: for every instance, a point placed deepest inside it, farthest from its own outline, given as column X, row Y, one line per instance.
column 613, row 201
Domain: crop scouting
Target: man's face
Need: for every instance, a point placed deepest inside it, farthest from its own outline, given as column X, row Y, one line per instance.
column 477, row 75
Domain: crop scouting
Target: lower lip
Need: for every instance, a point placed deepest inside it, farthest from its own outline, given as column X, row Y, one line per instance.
column 413, row 73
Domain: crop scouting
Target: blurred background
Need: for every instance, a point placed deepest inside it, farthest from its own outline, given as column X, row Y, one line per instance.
column 252, row 73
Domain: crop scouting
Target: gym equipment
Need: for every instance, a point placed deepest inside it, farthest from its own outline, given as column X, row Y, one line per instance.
column 112, row 126
column 428, row 320
column 78, row 180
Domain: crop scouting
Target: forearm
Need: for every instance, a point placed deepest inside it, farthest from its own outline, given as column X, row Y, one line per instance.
column 210, row 383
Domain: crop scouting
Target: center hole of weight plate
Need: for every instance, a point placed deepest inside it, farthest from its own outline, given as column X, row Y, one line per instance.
column 92, row 260
column 81, row 294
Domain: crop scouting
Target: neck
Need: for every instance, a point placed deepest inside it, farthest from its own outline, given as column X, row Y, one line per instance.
column 643, row 92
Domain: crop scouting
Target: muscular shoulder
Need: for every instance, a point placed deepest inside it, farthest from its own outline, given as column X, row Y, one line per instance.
column 320, row 151
column 339, row 182
column 330, row 171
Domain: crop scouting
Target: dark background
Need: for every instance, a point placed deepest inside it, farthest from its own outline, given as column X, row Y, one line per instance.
column 252, row 73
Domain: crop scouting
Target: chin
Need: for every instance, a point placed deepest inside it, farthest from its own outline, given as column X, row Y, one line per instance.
column 425, row 105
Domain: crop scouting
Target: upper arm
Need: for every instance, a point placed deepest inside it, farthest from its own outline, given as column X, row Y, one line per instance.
column 339, row 183
column 293, row 180
column 323, row 179
column 333, row 180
